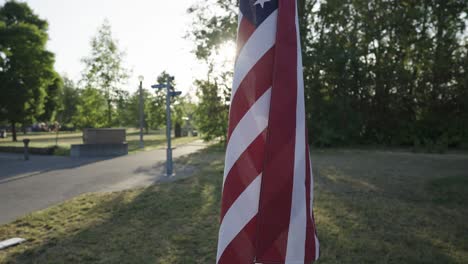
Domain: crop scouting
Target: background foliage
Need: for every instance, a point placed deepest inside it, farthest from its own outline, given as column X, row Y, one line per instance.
column 381, row 72
column 28, row 82
column 104, row 69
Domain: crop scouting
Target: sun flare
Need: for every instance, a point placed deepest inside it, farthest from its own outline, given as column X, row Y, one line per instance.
column 227, row 53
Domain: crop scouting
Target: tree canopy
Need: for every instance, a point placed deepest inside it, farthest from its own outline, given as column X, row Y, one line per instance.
column 26, row 67
column 104, row 69
column 386, row 72
column 70, row 98
column 383, row 72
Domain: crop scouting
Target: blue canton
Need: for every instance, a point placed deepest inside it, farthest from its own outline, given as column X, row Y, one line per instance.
column 255, row 13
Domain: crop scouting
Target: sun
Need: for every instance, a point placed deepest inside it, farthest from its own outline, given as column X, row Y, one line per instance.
column 227, row 53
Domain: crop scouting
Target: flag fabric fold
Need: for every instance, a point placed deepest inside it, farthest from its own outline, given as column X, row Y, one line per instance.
column 267, row 201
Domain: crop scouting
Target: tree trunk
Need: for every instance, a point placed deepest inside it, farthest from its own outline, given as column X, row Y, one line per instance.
column 177, row 130
column 13, row 131
column 109, row 114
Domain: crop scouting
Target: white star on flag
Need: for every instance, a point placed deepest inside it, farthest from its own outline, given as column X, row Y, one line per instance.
column 261, row 2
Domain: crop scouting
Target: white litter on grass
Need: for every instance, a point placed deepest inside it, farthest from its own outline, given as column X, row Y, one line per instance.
column 11, row 242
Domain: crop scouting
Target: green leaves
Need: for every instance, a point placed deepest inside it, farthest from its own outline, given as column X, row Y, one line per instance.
column 13, row 13
column 376, row 72
column 211, row 114
column 382, row 72
column 26, row 68
column 91, row 109
column 215, row 22
column 104, row 69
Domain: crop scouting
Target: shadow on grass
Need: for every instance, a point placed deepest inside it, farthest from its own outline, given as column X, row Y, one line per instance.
column 370, row 208
column 376, row 208
column 450, row 190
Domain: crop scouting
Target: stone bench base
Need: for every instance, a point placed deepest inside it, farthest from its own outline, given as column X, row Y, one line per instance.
column 99, row 150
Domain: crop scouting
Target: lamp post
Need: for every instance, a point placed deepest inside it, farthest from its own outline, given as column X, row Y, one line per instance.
column 141, row 78
column 169, row 93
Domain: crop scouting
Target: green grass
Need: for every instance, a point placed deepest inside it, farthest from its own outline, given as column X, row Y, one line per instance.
column 449, row 190
column 371, row 207
column 152, row 140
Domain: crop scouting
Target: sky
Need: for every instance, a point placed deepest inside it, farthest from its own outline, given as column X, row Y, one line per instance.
column 151, row 32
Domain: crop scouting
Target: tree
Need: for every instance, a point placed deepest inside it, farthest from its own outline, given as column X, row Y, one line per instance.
column 128, row 110
column 104, row 68
column 157, row 106
column 211, row 32
column 382, row 72
column 215, row 22
column 91, row 109
column 154, row 108
column 26, row 67
column 211, row 114
column 70, row 98
column 53, row 103
column 184, row 113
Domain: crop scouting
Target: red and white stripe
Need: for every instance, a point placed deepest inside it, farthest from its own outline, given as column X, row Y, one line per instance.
column 266, row 214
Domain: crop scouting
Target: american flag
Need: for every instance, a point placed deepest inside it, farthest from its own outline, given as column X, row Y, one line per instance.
column 266, row 214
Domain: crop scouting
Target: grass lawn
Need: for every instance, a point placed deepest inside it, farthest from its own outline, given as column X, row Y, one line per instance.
column 371, row 207
column 66, row 139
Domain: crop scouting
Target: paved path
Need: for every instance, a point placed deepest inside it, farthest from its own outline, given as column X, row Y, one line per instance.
column 44, row 180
